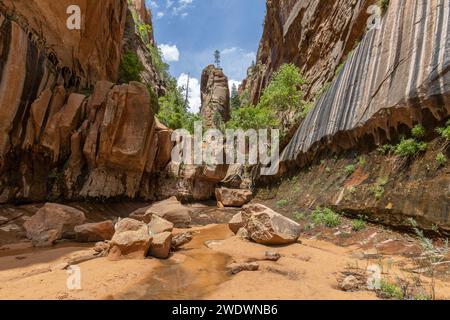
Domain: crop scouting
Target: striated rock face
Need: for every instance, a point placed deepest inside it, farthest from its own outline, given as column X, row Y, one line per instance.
column 397, row 76
column 87, row 55
column 315, row 35
column 215, row 96
column 56, row 143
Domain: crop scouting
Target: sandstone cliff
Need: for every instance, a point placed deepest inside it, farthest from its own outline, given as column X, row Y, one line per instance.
column 66, row 131
column 397, row 76
column 215, row 95
column 314, row 35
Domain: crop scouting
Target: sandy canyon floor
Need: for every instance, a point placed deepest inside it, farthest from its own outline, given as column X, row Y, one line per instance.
column 311, row 269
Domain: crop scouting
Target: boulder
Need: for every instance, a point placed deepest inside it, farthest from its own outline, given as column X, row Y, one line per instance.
column 161, row 245
column 236, row 223
column 233, row 197
column 173, row 211
column 53, row 222
column 131, row 240
column 268, row 227
column 272, row 256
column 181, row 239
column 94, row 232
column 159, row 225
column 350, row 283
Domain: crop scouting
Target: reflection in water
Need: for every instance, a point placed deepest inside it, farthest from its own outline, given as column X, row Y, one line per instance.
column 199, row 271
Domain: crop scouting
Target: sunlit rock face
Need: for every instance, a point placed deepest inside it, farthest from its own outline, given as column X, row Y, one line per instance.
column 398, row 75
column 58, row 139
column 315, row 35
column 215, row 96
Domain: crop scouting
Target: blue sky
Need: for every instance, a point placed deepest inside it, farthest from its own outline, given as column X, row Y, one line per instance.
column 189, row 31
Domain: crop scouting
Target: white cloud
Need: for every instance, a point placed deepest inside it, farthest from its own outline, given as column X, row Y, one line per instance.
column 194, row 91
column 153, row 4
column 229, row 50
column 170, row 52
column 159, row 15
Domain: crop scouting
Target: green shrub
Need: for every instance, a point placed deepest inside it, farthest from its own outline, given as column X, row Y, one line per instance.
column 418, row 131
column 144, row 30
column 441, row 159
column 253, row 117
column 386, row 149
column 391, row 290
column 378, row 190
column 326, row 217
column 282, row 203
column 444, row 132
column 358, row 225
column 284, row 92
column 350, row 169
column 298, row 216
column 410, row 147
column 362, row 162
column 130, row 68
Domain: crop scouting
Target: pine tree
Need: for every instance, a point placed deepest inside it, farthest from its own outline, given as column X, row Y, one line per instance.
column 235, row 100
column 217, row 58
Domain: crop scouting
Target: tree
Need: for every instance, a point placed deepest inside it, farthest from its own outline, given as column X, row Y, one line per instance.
column 235, row 99
column 284, row 91
column 217, row 58
column 173, row 109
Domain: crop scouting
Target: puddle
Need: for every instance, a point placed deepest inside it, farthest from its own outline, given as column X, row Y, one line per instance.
column 190, row 274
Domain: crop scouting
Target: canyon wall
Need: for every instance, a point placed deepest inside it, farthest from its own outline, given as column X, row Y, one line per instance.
column 66, row 131
column 394, row 77
column 314, row 35
column 397, row 76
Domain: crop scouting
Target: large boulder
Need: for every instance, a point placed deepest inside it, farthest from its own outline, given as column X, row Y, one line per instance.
column 173, row 211
column 233, row 197
column 268, row 227
column 131, row 240
column 159, row 225
column 94, row 232
column 161, row 245
column 53, row 222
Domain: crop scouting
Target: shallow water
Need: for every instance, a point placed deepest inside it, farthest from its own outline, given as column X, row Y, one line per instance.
column 190, row 274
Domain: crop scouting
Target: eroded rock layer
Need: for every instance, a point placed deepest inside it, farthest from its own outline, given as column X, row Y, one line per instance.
column 59, row 140
column 398, row 75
